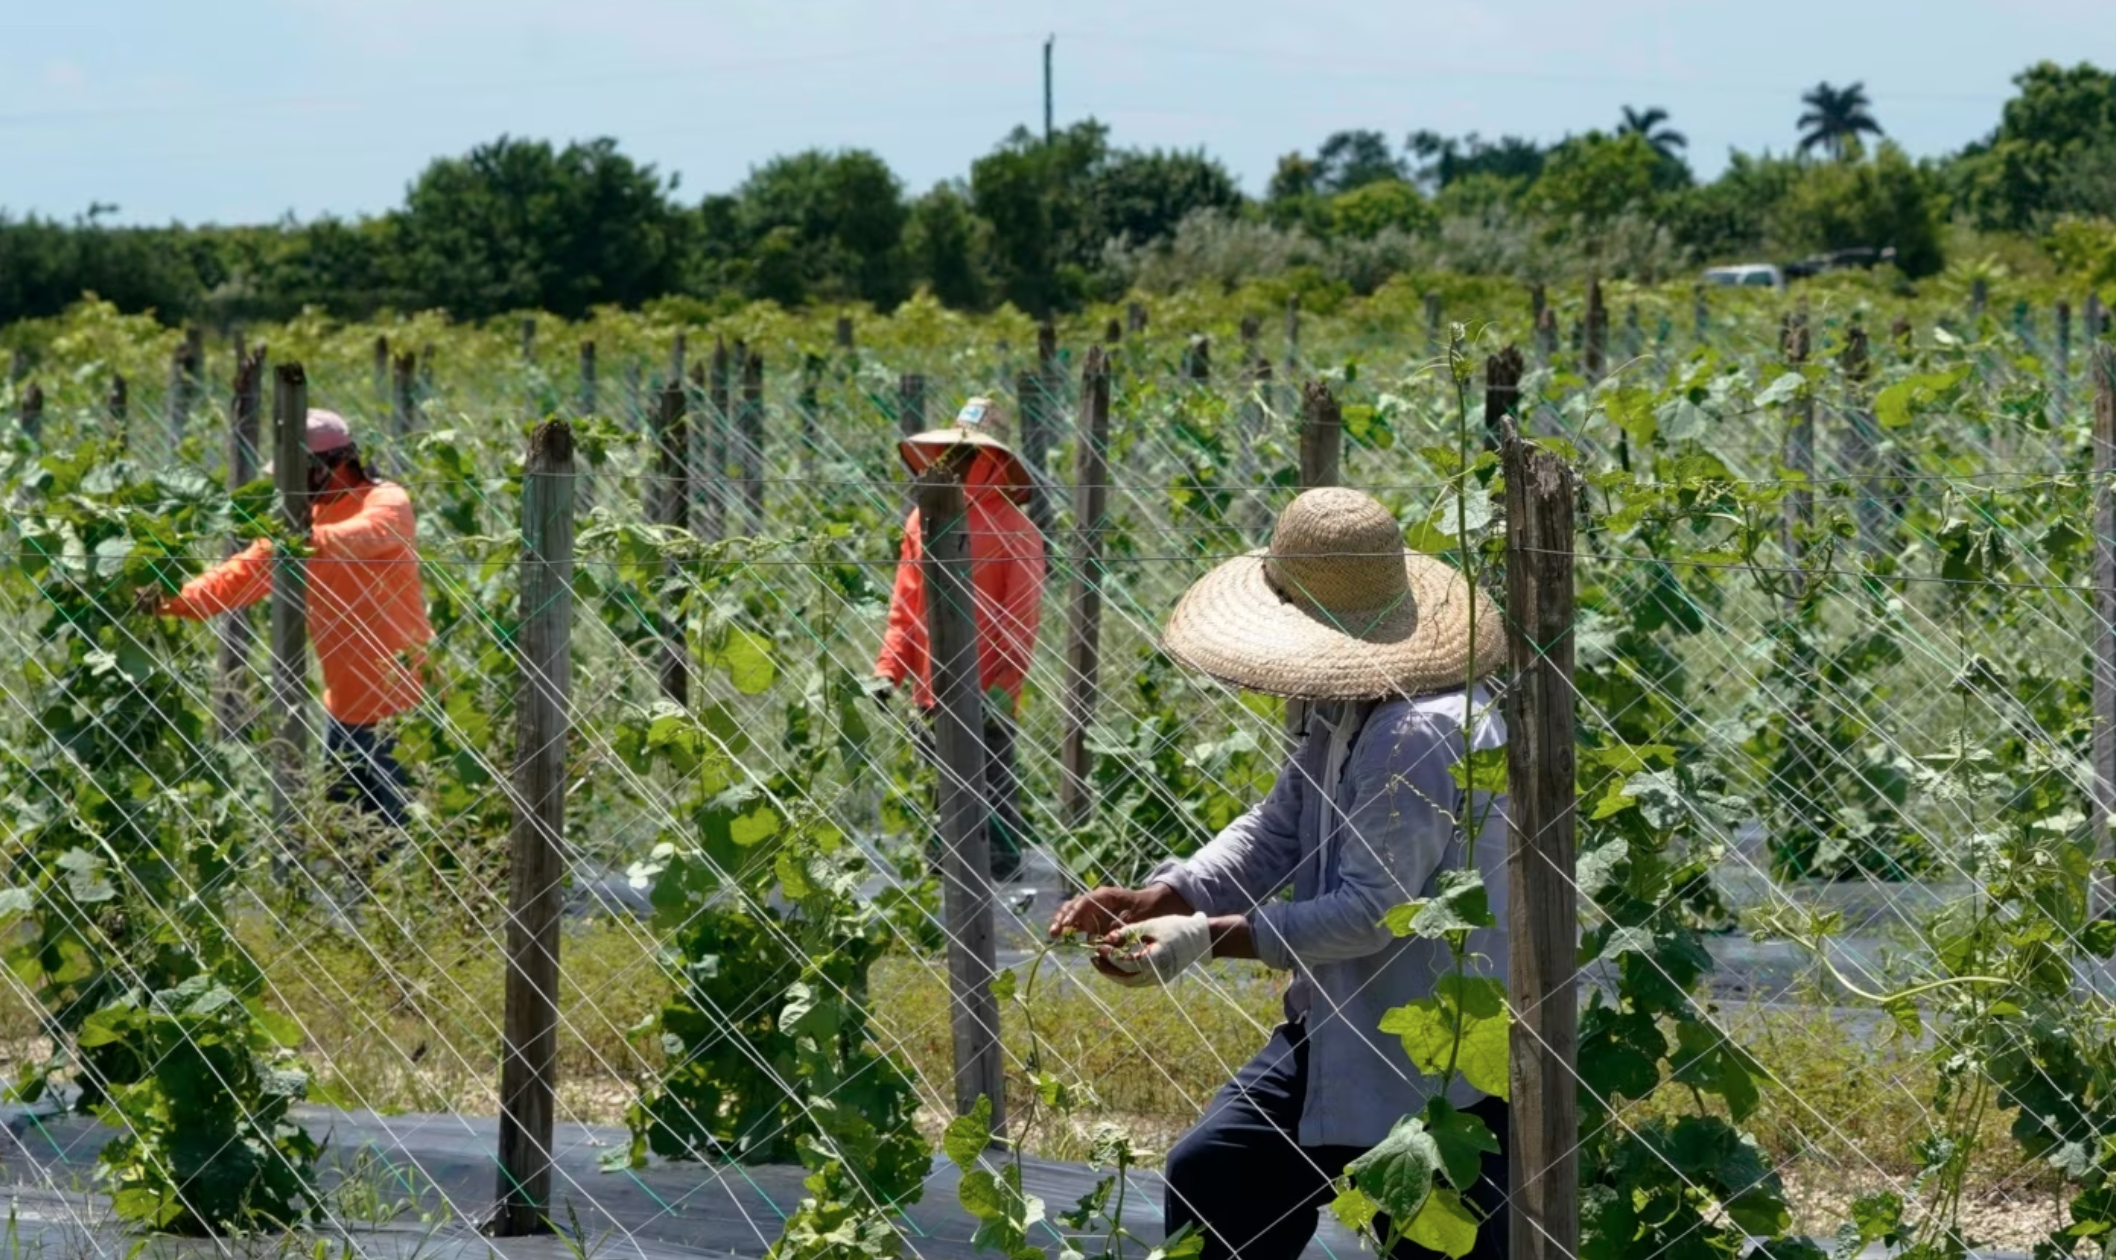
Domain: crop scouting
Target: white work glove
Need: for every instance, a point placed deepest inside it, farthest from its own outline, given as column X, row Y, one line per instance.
column 1156, row 951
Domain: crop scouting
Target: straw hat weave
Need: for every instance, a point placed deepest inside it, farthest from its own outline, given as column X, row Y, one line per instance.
column 979, row 423
column 1336, row 609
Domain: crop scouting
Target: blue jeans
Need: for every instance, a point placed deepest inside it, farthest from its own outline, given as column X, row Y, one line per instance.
column 368, row 773
column 1243, row 1178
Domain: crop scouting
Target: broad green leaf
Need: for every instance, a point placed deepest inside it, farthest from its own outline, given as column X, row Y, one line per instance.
column 747, row 659
column 1462, row 1140
column 1397, row 1174
column 1458, row 905
column 1353, row 1208
column 1469, row 1006
column 1004, row 986
column 1445, row 1224
column 981, row 1196
column 966, row 1137
column 1482, row 771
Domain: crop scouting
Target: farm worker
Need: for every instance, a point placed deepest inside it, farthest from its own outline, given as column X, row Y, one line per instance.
column 1006, row 572
column 366, row 614
column 1365, row 816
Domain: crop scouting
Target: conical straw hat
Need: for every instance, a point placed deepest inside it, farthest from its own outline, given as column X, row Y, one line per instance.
column 979, row 423
column 1336, row 609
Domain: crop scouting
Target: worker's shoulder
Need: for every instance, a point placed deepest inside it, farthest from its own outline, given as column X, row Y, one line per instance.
column 382, row 495
column 1441, row 713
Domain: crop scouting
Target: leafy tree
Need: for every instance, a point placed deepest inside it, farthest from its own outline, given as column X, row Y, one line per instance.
column 1445, row 160
column 1596, row 177
column 1835, row 118
column 1030, row 191
column 1354, row 159
column 1728, row 219
column 1294, row 177
column 1139, row 195
column 1369, row 210
column 1651, row 125
column 46, row 266
column 2054, row 135
column 518, row 225
column 823, row 224
column 1882, row 201
column 946, row 247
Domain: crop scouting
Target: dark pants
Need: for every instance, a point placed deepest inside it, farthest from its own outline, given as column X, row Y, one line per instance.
column 1004, row 829
column 1242, row 1177
column 368, row 773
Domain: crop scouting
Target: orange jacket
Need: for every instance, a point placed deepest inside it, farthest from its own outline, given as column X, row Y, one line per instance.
column 367, row 617
column 1006, row 576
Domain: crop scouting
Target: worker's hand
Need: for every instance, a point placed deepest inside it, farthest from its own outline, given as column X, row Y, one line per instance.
column 1104, row 910
column 881, row 689
column 1156, row 951
column 148, row 600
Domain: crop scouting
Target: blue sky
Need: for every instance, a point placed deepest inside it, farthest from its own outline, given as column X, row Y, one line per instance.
column 218, row 110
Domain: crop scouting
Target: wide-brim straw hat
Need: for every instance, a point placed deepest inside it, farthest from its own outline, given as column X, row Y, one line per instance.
column 979, row 423
column 1337, row 608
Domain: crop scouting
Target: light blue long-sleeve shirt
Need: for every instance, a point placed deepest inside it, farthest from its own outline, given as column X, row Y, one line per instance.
column 1364, row 817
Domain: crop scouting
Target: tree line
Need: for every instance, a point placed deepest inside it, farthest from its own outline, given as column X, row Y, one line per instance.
column 1046, row 223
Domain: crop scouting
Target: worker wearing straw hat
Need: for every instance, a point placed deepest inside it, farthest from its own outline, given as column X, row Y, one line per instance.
column 1006, row 575
column 1387, row 646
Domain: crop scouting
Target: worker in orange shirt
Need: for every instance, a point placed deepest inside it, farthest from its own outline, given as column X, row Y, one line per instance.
column 1006, row 575
column 366, row 614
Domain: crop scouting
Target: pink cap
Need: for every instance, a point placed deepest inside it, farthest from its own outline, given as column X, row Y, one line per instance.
column 328, row 431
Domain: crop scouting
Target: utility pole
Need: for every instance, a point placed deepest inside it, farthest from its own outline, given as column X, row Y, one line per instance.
column 1048, row 132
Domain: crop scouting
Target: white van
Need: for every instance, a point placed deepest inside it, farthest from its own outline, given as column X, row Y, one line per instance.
column 1747, row 275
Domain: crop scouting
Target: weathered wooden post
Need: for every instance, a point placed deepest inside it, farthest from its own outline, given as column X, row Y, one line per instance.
column 1594, row 349
column 2096, row 317
column 1861, row 438
column 1502, row 394
column 1979, row 299
column 1292, row 339
column 1541, row 896
column 1634, row 336
column 1547, row 337
column 231, row 700
column 1135, row 318
column 1538, row 302
column 1112, row 333
column 404, row 404
column 1799, row 450
column 1322, row 437
column 117, row 405
column 33, row 411
column 290, row 626
column 380, row 372
column 528, row 338
column 1435, row 344
column 678, row 351
column 17, row 366
column 966, row 869
column 709, row 438
column 671, row 506
column 2064, row 345
column 536, row 861
column 810, row 405
column 1083, row 638
column 1197, row 359
column 186, row 363
column 586, row 405
column 910, row 404
column 2102, row 745
column 749, row 431
column 1700, row 312
column 848, row 355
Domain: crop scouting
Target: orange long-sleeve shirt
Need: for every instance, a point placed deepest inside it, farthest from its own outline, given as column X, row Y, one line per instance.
column 367, row 617
column 1006, row 577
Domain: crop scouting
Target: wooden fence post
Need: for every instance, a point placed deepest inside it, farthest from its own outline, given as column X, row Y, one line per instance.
column 749, row 432
column 1197, row 359
column 1594, row 349
column 1502, row 393
column 1293, row 338
column 678, row 350
column 2064, row 346
column 1979, row 299
column 1135, row 318
column 1036, row 394
column 231, row 700
column 958, row 719
column 2102, row 746
column 1542, row 906
column 810, row 405
column 1083, row 637
column 671, row 506
column 117, row 405
column 709, row 438
column 536, row 862
column 1546, row 337
column 186, row 364
column 1112, row 333
column 1434, row 343
column 17, row 365
column 1861, row 436
column 528, row 338
column 1799, row 451
column 1251, row 326
column 586, row 404
column 910, row 404
column 290, row 626
column 2096, row 317
column 380, row 373
column 1322, row 438
column 404, row 403
column 33, row 411
column 1634, row 336
column 1700, row 312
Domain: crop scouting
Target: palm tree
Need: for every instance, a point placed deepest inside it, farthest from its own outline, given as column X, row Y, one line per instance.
column 1835, row 118
column 1648, row 124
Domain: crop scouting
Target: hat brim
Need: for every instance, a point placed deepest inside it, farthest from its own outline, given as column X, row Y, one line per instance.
column 921, row 449
column 1234, row 625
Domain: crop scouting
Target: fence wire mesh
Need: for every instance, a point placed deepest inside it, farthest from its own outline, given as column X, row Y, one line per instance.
column 1844, row 778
